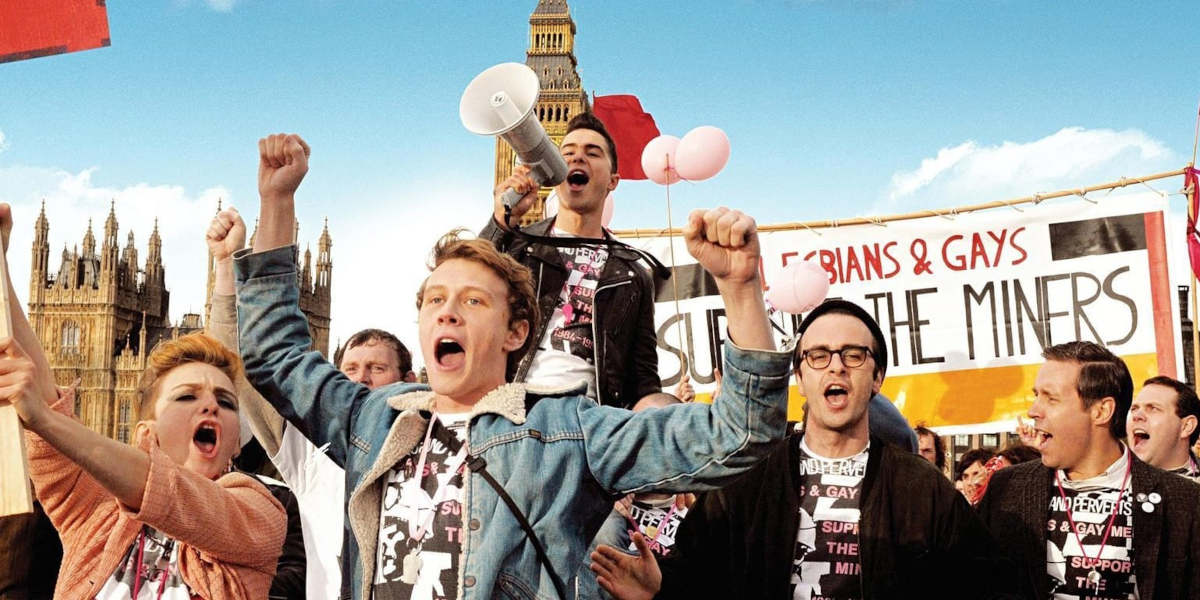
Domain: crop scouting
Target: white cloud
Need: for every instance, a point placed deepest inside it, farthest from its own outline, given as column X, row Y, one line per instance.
column 71, row 199
column 3, row 142
column 380, row 254
column 1073, row 157
column 216, row 5
column 905, row 183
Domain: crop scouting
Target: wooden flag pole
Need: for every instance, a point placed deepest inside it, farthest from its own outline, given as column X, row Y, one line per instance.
column 923, row 214
column 1195, row 314
column 1190, row 195
column 16, row 496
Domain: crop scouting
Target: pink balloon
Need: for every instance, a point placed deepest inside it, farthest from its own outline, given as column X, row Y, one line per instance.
column 799, row 288
column 702, row 153
column 551, row 208
column 606, row 216
column 658, row 159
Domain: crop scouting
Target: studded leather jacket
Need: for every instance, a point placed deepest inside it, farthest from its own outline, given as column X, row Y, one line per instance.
column 626, row 359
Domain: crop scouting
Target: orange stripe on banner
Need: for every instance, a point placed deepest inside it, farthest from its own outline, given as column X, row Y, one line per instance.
column 1160, row 293
column 968, row 396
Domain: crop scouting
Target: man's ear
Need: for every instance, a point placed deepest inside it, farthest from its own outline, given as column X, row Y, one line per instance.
column 1187, row 426
column 517, row 332
column 613, row 180
column 1104, row 411
column 409, row 377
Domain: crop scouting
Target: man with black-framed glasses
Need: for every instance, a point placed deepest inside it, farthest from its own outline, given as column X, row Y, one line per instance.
column 835, row 512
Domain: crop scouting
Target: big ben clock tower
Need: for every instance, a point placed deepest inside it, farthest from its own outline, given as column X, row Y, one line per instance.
column 551, row 55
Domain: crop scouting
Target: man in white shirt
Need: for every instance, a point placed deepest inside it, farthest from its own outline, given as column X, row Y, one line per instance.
column 372, row 357
column 1090, row 519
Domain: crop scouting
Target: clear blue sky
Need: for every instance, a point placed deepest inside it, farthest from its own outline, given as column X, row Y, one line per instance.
column 826, row 105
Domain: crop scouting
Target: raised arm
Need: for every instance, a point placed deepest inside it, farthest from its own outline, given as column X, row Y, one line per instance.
column 27, row 382
column 226, row 235
column 725, row 243
column 697, row 446
column 273, row 333
column 282, row 164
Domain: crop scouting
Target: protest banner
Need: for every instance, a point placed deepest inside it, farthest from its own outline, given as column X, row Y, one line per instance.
column 35, row 28
column 967, row 302
column 16, row 496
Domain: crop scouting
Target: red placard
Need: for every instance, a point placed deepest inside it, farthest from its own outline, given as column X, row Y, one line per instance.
column 33, row 28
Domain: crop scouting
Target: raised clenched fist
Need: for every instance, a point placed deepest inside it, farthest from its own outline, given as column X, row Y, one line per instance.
column 282, row 163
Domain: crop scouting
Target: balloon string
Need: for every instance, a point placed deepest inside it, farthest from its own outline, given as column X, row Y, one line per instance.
column 683, row 358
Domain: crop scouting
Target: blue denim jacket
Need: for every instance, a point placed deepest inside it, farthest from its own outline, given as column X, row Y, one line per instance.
column 562, row 458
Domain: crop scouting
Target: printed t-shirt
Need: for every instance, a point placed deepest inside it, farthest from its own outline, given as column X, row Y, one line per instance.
column 658, row 521
column 826, row 563
column 151, row 565
column 405, row 508
column 1091, row 502
column 566, row 353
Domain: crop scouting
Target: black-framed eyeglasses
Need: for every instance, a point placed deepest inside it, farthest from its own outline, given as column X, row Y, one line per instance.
column 852, row 356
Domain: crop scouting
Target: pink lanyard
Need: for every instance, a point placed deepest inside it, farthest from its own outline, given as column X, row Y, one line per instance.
column 438, row 497
column 661, row 524
column 1107, row 529
column 137, row 579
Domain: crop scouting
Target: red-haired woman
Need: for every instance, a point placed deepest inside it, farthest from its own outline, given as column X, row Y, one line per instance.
column 164, row 517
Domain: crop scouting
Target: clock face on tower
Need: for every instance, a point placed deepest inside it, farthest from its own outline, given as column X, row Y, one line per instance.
column 551, row 55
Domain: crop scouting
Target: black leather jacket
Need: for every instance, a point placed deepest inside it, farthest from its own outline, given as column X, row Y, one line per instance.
column 918, row 537
column 623, row 315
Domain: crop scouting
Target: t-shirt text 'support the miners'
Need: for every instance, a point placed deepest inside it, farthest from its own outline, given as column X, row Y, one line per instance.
column 826, row 564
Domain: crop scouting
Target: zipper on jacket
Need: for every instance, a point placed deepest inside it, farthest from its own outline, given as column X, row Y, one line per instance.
column 465, row 512
column 598, row 341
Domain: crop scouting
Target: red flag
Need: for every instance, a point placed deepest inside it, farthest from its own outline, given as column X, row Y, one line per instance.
column 1190, row 180
column 33, row 28
column 631, row 129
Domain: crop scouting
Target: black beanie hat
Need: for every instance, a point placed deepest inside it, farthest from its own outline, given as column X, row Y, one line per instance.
column 856, row 311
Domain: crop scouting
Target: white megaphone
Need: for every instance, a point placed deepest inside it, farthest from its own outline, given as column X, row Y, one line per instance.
column 500, row 101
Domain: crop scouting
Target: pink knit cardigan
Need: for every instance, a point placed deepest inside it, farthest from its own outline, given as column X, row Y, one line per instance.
column 230, row 531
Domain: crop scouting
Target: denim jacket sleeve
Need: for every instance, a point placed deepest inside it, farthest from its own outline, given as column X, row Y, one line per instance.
column 265, row 422
column 696, row 446
column 274, row 343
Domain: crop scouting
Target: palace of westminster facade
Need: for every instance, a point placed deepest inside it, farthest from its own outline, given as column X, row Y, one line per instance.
column 100, row 310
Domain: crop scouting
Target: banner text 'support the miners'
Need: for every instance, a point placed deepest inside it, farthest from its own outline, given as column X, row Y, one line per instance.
column 967, row 303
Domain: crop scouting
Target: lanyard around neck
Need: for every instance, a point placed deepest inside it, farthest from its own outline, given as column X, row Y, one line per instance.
column 1107, row 529
column 137, row 577
column 417, row 533
column 662, row 524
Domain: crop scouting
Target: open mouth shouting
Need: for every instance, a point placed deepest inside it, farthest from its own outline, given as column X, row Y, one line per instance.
column 837, row 396
column 1042, row 438
column 449, row 354
column 577, row 179
column 1140, row 438
column 207, row 438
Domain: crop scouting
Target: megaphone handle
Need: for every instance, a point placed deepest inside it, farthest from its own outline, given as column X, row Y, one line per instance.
column 510, row 198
